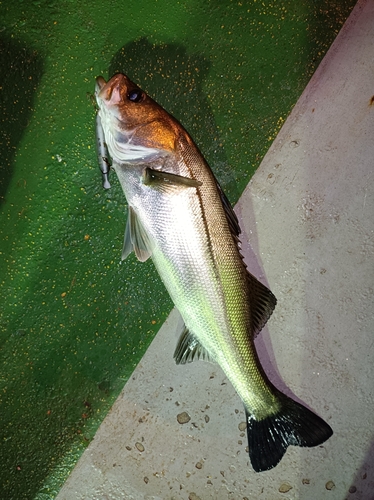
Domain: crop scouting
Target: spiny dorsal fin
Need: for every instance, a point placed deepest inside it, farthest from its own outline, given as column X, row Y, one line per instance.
column 231, row 217
column 136, row 238
column 190, row 154
column 189, row 349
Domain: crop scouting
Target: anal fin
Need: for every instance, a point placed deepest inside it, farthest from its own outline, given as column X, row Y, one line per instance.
column 189, row 349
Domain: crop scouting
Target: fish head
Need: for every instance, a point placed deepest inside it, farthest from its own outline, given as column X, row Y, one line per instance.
column 135, row 126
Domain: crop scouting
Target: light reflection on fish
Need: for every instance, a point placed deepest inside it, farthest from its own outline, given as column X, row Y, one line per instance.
column 179, row 216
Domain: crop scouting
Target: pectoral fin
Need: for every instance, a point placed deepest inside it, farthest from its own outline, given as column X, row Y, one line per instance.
column 166, row 181
column 189, row 349
column 136, row 238
column 128, row 247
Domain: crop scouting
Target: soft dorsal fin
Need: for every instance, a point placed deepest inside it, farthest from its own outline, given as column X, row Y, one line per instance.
column 189, row 349
column 262, row 302
column 261, row 298
column 136, row 238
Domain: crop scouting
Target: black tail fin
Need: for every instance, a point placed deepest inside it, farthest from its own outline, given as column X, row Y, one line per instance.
column 268, row 439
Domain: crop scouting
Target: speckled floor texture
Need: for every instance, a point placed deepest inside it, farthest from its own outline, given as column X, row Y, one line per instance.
column 308, row 215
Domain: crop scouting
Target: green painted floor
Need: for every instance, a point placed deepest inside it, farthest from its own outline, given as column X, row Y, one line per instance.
column 74, row 321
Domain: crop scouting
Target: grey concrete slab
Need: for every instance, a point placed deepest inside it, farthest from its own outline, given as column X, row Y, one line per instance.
column 308, row 232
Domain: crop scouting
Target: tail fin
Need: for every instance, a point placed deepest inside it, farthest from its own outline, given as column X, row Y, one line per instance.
column 268, row 439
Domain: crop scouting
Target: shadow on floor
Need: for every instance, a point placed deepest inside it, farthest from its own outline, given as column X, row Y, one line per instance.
column 21, row 68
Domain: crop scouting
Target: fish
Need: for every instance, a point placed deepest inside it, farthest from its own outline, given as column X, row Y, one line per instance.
column 179, row 216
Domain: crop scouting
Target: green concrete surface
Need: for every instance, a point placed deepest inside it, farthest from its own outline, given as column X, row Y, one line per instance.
column 74, row 321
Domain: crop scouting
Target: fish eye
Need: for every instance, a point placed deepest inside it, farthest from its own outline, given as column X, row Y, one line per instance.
column 135, row 95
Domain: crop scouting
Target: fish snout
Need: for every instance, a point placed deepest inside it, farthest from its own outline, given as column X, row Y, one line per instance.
column 110, row 92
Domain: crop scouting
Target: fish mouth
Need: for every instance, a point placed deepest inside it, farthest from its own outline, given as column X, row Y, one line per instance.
column 109, row 92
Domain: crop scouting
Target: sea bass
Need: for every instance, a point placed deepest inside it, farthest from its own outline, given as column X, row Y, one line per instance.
column 179, row 216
